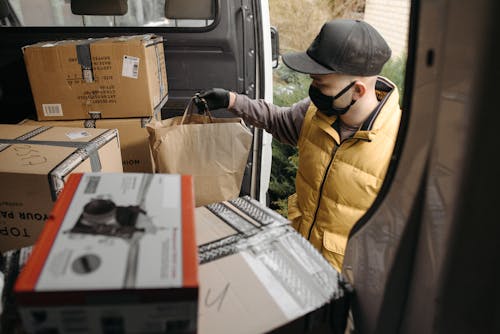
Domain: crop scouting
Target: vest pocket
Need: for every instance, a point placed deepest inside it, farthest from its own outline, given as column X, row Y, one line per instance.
column 294, row 214
column 333, row 249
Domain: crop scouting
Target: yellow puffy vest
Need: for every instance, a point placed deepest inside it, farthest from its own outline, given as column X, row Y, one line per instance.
column 337, row 182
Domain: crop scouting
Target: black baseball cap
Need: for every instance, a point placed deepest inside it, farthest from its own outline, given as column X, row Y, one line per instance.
column 342, row 46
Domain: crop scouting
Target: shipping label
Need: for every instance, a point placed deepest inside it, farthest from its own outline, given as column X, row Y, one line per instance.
column 130, row 67
column 73, row 135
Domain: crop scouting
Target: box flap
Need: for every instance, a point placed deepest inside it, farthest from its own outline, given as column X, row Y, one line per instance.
column 12, row 131
column 257, row 272
column 68, row 134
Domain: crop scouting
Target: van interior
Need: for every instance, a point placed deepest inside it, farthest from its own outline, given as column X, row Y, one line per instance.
column 424, row 258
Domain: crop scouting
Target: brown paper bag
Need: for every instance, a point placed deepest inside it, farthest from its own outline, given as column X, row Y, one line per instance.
column 213, row 150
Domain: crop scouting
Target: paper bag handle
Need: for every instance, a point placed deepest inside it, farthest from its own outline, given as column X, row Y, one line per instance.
column 190, row 107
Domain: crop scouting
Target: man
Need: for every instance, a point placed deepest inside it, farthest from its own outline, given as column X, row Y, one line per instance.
column 345, row 137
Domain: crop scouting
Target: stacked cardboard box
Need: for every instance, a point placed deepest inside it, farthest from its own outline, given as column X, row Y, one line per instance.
column 118, row 82
column 134, row 139
column 35, row 163
column 257, row 274
column 119, row 77
column 117, row 256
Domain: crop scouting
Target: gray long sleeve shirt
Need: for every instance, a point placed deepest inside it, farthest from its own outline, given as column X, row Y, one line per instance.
column 284, row 123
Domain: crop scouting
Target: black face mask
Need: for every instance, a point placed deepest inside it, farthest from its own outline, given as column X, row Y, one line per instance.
column 325, row 103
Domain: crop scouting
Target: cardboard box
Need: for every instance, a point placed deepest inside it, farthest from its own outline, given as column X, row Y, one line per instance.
column 134, row 139
column 118, row 255
column 116, row 77
column 35, row 162
column 257, row 274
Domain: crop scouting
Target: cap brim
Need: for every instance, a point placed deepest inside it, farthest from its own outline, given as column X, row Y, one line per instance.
column 301, row 62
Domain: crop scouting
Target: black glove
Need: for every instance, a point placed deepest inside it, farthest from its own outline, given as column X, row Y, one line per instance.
column 216, row 98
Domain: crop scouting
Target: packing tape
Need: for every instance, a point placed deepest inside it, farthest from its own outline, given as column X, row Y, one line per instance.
column 27, row 136
column 89, row 148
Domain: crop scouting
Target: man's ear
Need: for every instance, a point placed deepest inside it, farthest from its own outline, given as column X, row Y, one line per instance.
column 359, row 90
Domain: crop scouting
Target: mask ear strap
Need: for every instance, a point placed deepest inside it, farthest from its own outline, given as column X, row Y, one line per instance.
column 342, row 92
column 352, row 102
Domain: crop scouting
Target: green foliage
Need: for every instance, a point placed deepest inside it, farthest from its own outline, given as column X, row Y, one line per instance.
column 289, row 87
column 394, row 70
column 283, row 170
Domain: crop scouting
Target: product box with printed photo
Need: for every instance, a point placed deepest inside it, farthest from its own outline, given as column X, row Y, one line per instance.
column 117, row 255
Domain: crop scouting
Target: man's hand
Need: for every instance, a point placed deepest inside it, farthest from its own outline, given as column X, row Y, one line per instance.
column 216, row 98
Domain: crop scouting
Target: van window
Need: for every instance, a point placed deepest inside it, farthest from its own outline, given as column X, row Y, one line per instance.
column 140, row 13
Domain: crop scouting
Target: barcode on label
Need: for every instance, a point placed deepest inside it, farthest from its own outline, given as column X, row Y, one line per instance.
column 135, row 70
column 52, row 109
column 92, row 184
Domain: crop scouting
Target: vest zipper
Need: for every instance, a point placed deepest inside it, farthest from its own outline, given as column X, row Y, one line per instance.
column 323, row 183
column 321, row 190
